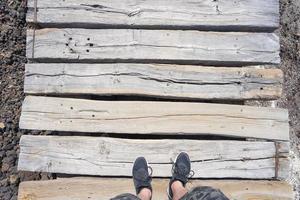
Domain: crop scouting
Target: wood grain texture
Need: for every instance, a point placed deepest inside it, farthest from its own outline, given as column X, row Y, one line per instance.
column 157, row 80
column 244, row 15
column 146, row 117
column 101, row 188
column 160, row 46
column 114, row 157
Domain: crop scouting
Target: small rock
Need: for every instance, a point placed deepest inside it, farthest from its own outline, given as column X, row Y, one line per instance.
column 7, row 195
column 2, row 154
column 2, row 125
column 9, row 146
column 13, row 169
column 8, row 160
column 5, row 167
column 4, row 182
column 28, row 176
column 44, row 176
column 13, row 179
column 11, row 153
column 297, row 99
column 19, row 134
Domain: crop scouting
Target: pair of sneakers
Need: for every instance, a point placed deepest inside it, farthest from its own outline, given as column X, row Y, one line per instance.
column 180, row 172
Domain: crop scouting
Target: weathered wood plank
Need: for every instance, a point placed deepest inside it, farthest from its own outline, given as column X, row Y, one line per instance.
column 101, row 188
column 161, row 46
column 158, row 80
column 146, row 117
column 114, row 157
column 251, row 15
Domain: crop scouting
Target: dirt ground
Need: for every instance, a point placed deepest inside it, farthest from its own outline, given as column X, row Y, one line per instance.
column 12, row 60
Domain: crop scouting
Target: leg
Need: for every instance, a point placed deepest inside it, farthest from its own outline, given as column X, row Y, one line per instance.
column 145, row 194
column 142, row 182
column 180, row 174
column 178, row 190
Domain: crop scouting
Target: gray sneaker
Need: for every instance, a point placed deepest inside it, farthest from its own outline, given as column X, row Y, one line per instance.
column 141, row 176
column 181, row 171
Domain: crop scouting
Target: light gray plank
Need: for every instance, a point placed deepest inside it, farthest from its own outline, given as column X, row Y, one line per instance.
column 192, row 14
column 158, row 80
column 162, row 46
column 114, row 157
column 87, row 188
column 146, row 117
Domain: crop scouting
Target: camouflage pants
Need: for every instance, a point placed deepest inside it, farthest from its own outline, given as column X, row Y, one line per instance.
column 198, row 193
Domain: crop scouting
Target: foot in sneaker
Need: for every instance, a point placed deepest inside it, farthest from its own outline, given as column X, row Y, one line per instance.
column 141, row 177
column 180, row 171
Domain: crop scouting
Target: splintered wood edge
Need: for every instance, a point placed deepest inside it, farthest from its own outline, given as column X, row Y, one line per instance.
column 29, row 43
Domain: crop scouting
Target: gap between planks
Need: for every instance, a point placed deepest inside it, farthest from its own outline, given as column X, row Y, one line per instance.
column 114, row 157
column 154, row 80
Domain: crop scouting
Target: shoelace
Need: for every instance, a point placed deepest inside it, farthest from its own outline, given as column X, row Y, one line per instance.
column 190, row 175
column 151, row 171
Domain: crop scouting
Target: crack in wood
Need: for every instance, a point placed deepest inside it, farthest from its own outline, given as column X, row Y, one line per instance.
column 48, row 152
column 159, row 116
column 242, row 80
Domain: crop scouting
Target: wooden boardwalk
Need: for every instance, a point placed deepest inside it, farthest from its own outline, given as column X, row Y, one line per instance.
column 116, row 80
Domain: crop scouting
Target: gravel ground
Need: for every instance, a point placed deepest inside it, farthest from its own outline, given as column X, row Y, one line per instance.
column 290, row 64
column 12, row 60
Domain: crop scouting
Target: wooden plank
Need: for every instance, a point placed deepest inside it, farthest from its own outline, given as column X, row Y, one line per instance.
column 251, row 15
column 146, row 117
column 101, row 188
column 161, row 46
column 114, row 157
column 158, row 80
